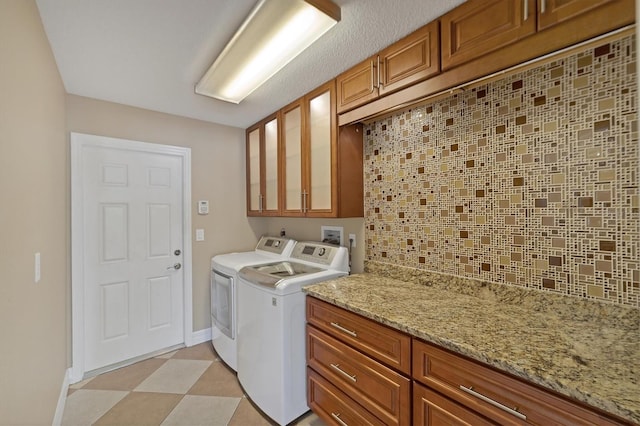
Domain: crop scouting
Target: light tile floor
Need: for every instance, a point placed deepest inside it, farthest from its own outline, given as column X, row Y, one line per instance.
column 187, row 387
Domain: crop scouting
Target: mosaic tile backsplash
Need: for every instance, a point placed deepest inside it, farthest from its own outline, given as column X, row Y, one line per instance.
column 531, row 180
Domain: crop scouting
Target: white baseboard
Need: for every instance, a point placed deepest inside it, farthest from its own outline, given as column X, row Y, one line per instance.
column 201, row 336
column 62, row 399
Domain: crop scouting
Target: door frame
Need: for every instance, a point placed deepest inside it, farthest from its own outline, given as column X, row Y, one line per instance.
column 78, row 142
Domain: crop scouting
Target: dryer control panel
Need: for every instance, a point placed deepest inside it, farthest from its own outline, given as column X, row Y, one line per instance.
column 330, row 256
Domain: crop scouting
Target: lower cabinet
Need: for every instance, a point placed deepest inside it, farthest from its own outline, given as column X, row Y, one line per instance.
column 357, row 375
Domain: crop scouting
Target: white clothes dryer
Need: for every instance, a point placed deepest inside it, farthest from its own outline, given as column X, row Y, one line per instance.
column 224, row 278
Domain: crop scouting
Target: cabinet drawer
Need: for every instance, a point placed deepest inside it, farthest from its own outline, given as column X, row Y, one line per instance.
column 431, row 408
column 333, row 406
column 384, row 344
column 379, row 389
column 474, row 385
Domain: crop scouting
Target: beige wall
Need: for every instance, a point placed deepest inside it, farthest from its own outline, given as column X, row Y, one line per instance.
column 303, row 229
column 218, row 175
column 33, row 218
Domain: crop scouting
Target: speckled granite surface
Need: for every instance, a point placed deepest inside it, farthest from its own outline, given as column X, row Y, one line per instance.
column 586, row 350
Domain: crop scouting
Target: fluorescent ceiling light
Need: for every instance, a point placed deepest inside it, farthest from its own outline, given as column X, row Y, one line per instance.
column 275, row 32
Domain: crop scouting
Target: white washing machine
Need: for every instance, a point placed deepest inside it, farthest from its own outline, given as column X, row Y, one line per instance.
column 271, row 323
column 224, row 278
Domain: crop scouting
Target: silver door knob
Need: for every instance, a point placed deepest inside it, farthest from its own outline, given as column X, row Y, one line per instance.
column 176, row 266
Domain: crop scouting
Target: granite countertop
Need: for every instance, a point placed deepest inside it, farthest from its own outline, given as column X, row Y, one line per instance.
column 583, row 349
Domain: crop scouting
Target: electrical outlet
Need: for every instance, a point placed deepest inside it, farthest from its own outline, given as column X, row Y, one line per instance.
column 352, row 240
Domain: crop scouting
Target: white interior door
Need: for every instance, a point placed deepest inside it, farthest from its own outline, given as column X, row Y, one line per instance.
column 133, row 249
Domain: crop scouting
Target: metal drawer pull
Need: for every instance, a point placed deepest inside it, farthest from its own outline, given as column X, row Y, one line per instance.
column 344, row 373
column 346, row 330
column 513, row 411
column 526, row 9
column 338, row 419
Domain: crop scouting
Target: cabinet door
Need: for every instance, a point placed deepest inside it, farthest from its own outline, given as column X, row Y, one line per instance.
column 410, row 60
column 478, row 27
column 271, row 166
column 432, row 409
column 552, row 12
column 358, row 85
column 254, row 191
column 292, row 158
column 319, row 189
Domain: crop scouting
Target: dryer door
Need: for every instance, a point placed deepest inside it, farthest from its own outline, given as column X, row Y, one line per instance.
column 223, row 303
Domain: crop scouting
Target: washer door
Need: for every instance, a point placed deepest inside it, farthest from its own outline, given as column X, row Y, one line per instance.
column 223, row 303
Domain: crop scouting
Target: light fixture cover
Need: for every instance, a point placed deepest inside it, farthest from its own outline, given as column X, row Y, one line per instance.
column 274, row 33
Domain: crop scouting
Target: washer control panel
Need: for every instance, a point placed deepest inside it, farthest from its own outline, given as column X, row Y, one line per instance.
column 315, row 252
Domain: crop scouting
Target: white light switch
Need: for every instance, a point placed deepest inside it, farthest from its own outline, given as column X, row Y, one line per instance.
column 37, row 267
column 199, row 234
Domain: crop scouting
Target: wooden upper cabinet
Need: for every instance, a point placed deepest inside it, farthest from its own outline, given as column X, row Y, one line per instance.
column 478, row 27
column 412, row 59
column 263, row 167
column 408, row 61
column 552, row 12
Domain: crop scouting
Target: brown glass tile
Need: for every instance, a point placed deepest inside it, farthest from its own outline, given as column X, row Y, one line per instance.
column 601, row 126
column 485, row 239
column 516, row 85
column 510, row 220
column 459, row 209
column 607, row 245
column 555, row 260
column 585, row 202
column 521, row 120
column 481, row 94
column 389, row 198
column 585, row 61
column 425, row 128
column 586, row 269
column 449, row 122
column 501, row 156
column 516, row 256
column 464, row 234
column 518, row 181
column 486, row 267
column 500, row 129
column 518, row 240
column 548, row 221
column 409, row 241
column 541, row 202
column 548, row 283
column 408, row 156
column 470, row 163
column 603, row 266
column 557, row 72
column 420, row 170
column 602, row 50
column 422, row 259
column 540, row 100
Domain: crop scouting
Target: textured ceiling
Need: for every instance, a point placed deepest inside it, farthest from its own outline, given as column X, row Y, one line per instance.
column 150, row 53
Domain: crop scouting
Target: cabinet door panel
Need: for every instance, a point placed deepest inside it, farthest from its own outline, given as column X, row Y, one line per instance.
column 320, row 147
column 481, row 26
column 358, row 85
column 253, row 170
column 433, row 409
column 377, row 388
column 552, row 12
column 271, row 165
column 410, row 60
column 333, row 406
column 292, row 158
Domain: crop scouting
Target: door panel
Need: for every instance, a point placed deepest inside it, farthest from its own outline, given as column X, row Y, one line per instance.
column 132, row 215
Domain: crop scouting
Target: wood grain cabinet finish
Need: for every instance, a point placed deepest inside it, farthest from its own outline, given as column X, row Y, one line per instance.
column 334, row 406
column 495, row 395
column 384, row 344
column 379, row 389
column 263, row 167
column 311, row 168
column 553, row 12
column 478, row 27
column 432, row 409
column 408, row 61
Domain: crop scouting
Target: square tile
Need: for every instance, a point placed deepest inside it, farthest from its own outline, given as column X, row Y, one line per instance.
column 217, row 380
column 141, row 408
column 202, row 410
column 126, row 378
column 84, row 407
column 203, row 351
column 174, row 376
column 248, row 414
